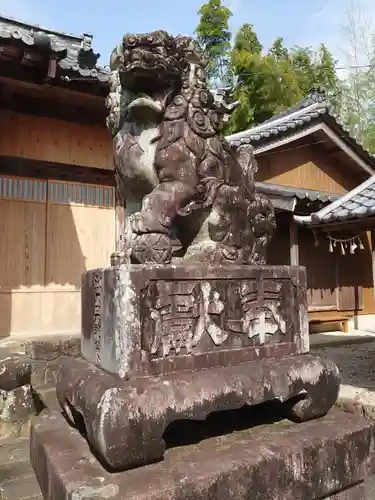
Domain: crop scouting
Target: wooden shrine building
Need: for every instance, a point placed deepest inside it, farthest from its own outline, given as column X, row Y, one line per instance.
column 56, row 184
column 308, row 166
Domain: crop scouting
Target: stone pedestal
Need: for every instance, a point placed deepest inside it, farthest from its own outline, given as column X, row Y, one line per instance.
column 154, row 319
column 165, row 343
column 330, row 458
column 124, row 421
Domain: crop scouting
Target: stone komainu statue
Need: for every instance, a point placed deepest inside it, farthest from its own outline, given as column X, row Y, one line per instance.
column 177, row 177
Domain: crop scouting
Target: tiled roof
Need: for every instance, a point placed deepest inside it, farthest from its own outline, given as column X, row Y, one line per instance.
column 75, row 53
column 293, row 118
column 313, row 109
column 357, row 204
column 301, row 194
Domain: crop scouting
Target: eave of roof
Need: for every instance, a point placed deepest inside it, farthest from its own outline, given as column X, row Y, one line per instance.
column 75, row 52
column 274, row 128
column 310, row 111
column 356, row 204
column 298, row 193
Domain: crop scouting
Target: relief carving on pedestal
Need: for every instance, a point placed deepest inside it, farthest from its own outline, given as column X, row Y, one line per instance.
column 262, row 317
column 97, row 283
column 178, row 314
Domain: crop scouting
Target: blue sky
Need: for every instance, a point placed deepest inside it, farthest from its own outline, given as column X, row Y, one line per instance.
column 299, row 22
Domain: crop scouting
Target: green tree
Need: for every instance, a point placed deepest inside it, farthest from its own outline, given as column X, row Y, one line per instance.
column 325, row 72
column 269, row 83
column 317, row 70
column 278, row 51
column 266, row 83
column 214, row 37
column 246, row 39
column 303, row 66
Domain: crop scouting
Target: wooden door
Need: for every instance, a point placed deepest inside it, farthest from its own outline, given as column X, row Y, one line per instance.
column 50, row 232
column 334, row 280
column 321, row 272
column 80, row 228
column 278, row 252
column 350, row 271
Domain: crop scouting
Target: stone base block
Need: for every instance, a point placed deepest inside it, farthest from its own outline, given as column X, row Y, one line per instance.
column 152, row 319
column 320, row 459
column 124, row 420
column 28, row 367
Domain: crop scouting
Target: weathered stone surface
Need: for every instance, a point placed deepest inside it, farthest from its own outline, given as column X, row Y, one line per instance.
column 358, row 492
column 157, row 319
column 16, row 408
column 13, row 451
column 17, row 479
column 27, row 365
column 21, row 488
column 34, row 361
column 17, row 405
column 48, row 349
column 317, row 460
column 125, row 420
column 28, row 345
column 9, row 430
column 178, row 175
column 15, row 371
column 356, row 364
column 47, row 396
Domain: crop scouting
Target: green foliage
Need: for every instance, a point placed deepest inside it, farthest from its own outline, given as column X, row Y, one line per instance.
column 269, row 83
column 246, row 39
column 278, row 51
column 369, row 138
column 265, row 87
column 317, row 70
column 214, row 37
column 266, row 83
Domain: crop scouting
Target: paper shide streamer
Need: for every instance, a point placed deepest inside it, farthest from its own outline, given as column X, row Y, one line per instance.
column 346, row 245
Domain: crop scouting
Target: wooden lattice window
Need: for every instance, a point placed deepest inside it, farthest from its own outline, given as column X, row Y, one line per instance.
column 82, row 194
column 22, row 189
column 37, row 190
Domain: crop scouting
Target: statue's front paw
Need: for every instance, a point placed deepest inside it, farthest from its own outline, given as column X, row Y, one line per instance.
column 152, row 247
column 118, row 258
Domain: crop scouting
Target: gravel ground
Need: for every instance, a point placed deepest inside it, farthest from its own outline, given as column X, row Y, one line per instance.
column 357, row 368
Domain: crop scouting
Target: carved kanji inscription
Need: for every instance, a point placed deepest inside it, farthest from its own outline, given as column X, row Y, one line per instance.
column 179, row 316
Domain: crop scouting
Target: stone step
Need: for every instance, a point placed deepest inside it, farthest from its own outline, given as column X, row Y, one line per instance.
column 17, row 478
column 47, row 396
column 328, row 458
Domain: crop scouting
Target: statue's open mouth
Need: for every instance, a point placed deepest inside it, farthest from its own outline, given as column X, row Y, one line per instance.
column 146, row 102
column 150, row 88
column 150, row 73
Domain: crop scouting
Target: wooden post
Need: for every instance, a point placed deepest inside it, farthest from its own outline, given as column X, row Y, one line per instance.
column 117, row 255
column 120, row 216
column 294, row 250
column 120, row 223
